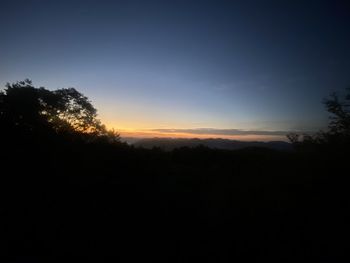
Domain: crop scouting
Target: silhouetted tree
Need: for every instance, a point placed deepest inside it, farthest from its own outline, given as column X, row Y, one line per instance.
column 30, row 109
column 338, row 132
column 340, row 110
column 294, row 137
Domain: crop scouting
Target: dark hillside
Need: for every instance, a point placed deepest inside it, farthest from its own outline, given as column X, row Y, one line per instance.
column 169, row 144
column 96, row 199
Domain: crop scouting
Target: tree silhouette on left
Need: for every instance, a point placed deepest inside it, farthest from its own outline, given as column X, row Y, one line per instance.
column 62, row 111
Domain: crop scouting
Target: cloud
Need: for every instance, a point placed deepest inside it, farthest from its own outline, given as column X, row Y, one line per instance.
column 226, row 132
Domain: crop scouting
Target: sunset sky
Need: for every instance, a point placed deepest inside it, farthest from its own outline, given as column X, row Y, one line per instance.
column 231, row 69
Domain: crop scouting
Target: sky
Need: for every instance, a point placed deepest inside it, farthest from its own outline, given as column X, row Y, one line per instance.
column 250, row 70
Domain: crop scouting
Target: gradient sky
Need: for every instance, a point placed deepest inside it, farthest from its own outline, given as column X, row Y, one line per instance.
column 176, row 67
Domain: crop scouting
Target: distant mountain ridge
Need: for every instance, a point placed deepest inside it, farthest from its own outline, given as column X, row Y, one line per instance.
column 169, row 144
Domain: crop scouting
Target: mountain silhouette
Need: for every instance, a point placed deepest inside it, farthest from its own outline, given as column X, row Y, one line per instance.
column 169, row 144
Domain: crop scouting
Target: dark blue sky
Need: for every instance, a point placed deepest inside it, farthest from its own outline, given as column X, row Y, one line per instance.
column 252, row 65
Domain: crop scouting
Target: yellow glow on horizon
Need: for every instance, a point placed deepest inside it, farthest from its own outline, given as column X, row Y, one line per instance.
column 152, row 134
column 156, row 134
column 144, row 130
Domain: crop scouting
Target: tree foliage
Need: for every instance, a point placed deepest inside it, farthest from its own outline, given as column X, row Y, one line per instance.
column 62, row 111
column 340, row 110
column 338, row 133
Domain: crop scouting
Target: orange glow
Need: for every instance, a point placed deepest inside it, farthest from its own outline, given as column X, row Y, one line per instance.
column 153, row 134
column 145, row 130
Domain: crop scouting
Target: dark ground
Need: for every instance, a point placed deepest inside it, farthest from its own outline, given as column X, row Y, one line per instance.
column 61, row 199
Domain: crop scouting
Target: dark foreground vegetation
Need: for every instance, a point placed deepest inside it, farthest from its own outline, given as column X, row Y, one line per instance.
column 70, row 187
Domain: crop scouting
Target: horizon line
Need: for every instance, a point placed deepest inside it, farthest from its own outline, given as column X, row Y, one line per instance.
column 208, row 133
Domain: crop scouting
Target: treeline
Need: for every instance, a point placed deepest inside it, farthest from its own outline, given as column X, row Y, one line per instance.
column 70, row 187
